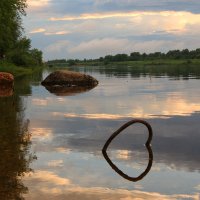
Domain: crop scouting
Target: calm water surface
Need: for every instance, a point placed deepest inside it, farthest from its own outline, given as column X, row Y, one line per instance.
column 51, row 145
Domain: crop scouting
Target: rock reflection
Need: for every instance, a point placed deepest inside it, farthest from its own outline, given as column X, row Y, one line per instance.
column 148, row 146
column 6, row 91
column 15, row 156
column 67, row 91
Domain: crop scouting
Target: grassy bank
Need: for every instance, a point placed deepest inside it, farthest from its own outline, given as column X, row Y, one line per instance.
column 156, row 62
column 145, row 62
column 16, row 70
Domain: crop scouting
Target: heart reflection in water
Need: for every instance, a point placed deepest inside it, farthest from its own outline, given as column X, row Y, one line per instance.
column 147, row 144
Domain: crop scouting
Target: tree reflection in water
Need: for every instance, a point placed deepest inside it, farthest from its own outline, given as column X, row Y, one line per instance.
column 15, row 156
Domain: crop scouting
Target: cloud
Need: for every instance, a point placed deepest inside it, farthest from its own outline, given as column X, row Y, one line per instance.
column 58, row 33
column 91, row 35
column 87, row 16
column 58, row 47
column 41, row 133
column 47, row 184
column 100, row 47
column 135, row 14
column 55, row 163
column 142, row 22
column 82, row 6
column 49, row 32
column 35, row 4
column 39, row 102
column 197, row 187
column 62, row 150
column 111, row 46
column 119, row 32
column 176, row 104
column 123, row 154
column 47, row 176
column 39, row 30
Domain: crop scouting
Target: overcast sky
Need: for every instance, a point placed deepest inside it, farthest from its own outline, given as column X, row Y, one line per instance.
column 94, row 28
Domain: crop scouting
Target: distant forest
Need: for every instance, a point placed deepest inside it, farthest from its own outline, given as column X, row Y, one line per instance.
column 134, row 56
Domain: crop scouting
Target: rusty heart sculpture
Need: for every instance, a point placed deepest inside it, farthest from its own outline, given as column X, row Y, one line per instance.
column 147, row 144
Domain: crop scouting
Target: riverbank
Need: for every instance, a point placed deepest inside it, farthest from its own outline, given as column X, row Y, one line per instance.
column 145, row 62
column 16, row 70
column 155, row 62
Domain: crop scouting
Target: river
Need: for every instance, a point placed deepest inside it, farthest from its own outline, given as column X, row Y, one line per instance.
column 51, row 144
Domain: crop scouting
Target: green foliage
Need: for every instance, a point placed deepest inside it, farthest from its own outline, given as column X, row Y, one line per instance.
column 13, row 47
column 10, row 23
column 22, row 55
column 62, row 62
column 17, row 71
column 184, row 54
column 71, row 62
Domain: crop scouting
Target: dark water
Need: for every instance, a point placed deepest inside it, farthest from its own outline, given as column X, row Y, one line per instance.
column 51, row 145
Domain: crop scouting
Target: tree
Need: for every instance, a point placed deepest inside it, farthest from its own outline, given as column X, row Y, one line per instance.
column 135, row 56
column 14, row 47
column 120, row 57
column 11, row 29
column 36, row 56
column 108, row 58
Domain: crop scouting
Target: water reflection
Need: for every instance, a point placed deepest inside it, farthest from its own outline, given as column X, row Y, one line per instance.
column 6, row 91
column 175, row 72
column 68, row 134
column 121, row 173
column 15, row 157
column 110, row 139
column 66, row 90
column 15, row 140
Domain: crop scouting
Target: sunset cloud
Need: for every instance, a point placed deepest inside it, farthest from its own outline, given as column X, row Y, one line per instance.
column 48, row 176
column 55, row 163
column 101, row 47
column 58, row 33
column 50, row 184
column 92, row 28
column 171, row 106
column 87, row 16
column 39, row 102
column 37, row 3
column 39, row 30
column 168, row 21
column 41, row 133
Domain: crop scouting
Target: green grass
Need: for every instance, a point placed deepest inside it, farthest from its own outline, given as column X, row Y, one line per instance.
column 145, row 62
column 16, row 70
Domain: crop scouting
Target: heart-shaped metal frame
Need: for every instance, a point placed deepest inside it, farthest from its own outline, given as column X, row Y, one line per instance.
column 147, row 144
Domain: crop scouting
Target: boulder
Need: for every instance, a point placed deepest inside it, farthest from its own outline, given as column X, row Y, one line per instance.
column 69, row 79
column 6, row 79
column 6, row 84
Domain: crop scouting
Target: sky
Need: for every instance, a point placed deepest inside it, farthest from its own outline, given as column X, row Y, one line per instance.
column 94, row 28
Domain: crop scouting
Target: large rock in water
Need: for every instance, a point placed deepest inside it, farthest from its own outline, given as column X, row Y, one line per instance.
column 69, row 78
column 6, row 84
column 67, row 83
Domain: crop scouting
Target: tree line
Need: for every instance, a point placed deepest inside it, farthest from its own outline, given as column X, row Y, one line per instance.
column 14, row 46
column 134, row 56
